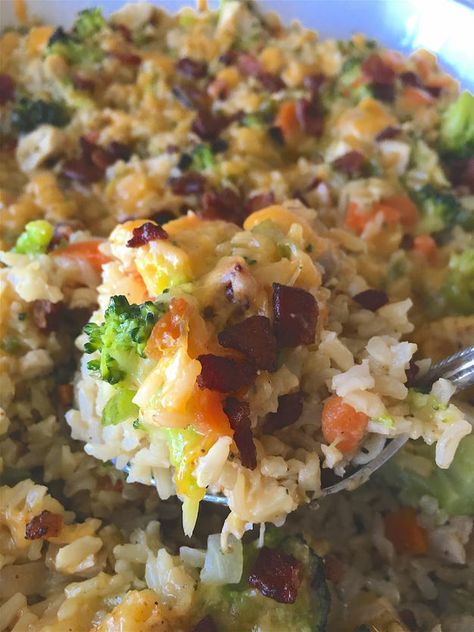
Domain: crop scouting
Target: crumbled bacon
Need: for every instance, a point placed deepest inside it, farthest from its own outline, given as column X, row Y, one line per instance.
column 118, row 151
column 309, row 117
column 261, row 200
column 188, row 184
column 377, row 71
column 276, row 575
column 94, row 160
column 45, row 525
column 125, row 32
column 313, row 83
column 334, row 568
column 223, row 204
column 7, row 89
column 126, row 57
column 409, row 78
column 461, row 172
column 289, row 410
column 229, row 57
column 205, row 625
column 249, row 65
column 223, row 374
column 295, row 315
column 271, row 82
column 46, row 315
column 191, row 68
column 350, row 163
column 388, row 133
column 371, row 299
column 63, row 232
column 435, row 91
column 208, row 125
column 411, row 373
column 219, row 145
column 254, row 338
column 81, row 82
column 163, row 217
column 145, row 233
column 383, row 92
column 238, row 413
column 82, row 171
column 191, row 97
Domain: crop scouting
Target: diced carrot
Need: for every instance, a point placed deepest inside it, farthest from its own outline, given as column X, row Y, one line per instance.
column 426, row 245
column 391, row 215
column 287, row 121
column 415, row 97
column 341, row 422
column 404, row 532
column 208, row 414
column 405, row 207
column 85, row 250
column 168, row 329
column 357, row 217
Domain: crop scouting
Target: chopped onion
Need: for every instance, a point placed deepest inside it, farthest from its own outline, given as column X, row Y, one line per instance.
column 222, row 567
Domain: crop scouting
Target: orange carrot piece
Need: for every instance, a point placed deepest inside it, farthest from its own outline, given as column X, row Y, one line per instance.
column 404, row 532
column 415, row 97
column 340, row 421
column 168, row 329
column 391, row 215
column 86, row 250
column 426, row 245
column 287, row 121
column 357, row 218
column 406, row 208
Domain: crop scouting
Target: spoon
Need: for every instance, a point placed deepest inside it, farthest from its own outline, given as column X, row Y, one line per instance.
column 457, row 368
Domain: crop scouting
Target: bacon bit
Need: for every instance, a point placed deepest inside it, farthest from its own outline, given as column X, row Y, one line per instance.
column 46, row 524
column 225, row 375
column 350, row 163
column 411, row 373
column 63, row 232
column 398, row 208
column 145, row 233
column 81, row 82
column 341, row 422
column 334, row 568
column 208, row 125
column 229, row 57
column 65, row 393
column 46, row 315
column 107, row 484
column 377, row 71
column 126, row 57
column 383, row 92
column 238, row 413
column 163, row 217
column 276, row 575
column 249, row 65
column 371, row 299
column 255, row 339
column 289, row 410
column 191, row 68
column 220, row 145
column 7, row 89
column 310, row 117
column 405, row 533
column 410, row 78
column 118, row 151
column 259, row 201
column 295, row 314
column 461, row 172
column 271, row 83
column 426, row 245
column 191, row 97
column 388, row 133
column 82, row 171
column 224, row 204
column 205, row 625
column 188, row 184
column 313, row 83
column 124, row 31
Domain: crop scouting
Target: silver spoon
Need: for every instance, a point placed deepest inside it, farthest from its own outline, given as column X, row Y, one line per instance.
column 457, row 368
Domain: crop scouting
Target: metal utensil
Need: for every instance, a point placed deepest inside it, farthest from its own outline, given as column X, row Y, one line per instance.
column 457, row 368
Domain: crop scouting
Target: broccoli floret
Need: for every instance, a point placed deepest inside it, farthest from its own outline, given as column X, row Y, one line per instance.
column 80, row 45
column 458, row 289
column 457, row 128
column 121, row 338
column 28, row 114
column 34, row 240
column 440, row 211
column 203, row 158
column 88, row 23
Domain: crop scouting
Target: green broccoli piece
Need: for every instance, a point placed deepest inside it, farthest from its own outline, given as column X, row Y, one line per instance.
column 34, row 240
column 413, row 473
column 80, row 46
column 28, row 114
column 458, row 288
column 440, row 211
column 121, row 338
column 203, row 158
column 88, row 23
column 120, row 408
column 457, row 128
